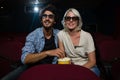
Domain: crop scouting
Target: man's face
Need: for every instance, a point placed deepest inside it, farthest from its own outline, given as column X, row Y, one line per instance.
column 48, row 19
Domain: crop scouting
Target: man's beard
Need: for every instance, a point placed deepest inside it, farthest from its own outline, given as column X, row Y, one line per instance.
column 46, row 27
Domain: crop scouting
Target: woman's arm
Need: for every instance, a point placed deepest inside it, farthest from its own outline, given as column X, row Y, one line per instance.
column 61, row 46
column 91, row 60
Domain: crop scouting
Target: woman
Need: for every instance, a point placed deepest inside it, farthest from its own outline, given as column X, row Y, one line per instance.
column 77, row 44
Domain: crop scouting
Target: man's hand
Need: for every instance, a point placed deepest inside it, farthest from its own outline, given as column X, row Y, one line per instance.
column 56, row 52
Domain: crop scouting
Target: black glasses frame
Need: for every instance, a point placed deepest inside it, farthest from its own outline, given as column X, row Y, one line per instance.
column 67, row 18
column 51, row 16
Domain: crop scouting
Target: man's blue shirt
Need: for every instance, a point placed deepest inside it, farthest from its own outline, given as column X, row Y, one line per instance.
column 35, row 42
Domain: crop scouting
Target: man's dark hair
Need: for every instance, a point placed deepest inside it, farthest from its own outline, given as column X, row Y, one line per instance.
column 49, row 8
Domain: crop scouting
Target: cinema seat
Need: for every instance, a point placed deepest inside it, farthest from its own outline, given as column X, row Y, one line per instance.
column 115, row 71
column 10, row 51
column 109, row 54
column 58, row 72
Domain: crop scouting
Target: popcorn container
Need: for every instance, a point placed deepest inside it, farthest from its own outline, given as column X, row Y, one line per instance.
column 64, row 60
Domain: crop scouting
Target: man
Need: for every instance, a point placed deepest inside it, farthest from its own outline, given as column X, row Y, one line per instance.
column 41, row 44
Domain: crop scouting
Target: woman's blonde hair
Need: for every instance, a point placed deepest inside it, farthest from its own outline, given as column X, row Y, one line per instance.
column 76, row 12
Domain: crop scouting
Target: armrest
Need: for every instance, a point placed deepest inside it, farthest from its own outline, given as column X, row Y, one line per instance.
column 13, row 64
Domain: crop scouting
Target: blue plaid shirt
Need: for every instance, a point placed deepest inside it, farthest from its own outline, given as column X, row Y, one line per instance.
column 35, row 42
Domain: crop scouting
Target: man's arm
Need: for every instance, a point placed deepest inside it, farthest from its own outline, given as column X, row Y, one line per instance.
column 35, row 57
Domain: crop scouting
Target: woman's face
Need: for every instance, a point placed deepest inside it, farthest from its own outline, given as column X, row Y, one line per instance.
column 71, row 21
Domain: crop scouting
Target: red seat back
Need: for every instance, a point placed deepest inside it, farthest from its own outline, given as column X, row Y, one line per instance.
column 109, row 50
column 58, row 72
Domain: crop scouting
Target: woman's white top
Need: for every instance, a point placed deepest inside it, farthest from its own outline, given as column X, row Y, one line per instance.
column 79, row 53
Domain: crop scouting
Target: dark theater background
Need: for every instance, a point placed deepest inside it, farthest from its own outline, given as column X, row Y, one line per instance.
column 19, row 15
column 100, row 17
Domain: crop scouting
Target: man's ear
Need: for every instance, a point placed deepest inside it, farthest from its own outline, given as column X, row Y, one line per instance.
column 54, row 22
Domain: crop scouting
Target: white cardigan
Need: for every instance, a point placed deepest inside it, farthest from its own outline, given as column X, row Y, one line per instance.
column 78, row 55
